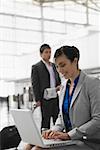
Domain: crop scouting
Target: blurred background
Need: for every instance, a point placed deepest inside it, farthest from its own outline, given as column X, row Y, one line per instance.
column 26, row 24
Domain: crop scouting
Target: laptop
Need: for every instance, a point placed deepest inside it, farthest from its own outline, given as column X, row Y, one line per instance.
column 30, row 133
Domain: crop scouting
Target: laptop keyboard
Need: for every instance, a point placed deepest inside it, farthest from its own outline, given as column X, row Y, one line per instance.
column 53, row 143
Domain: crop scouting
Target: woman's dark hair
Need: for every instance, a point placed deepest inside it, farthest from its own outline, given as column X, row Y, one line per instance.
column 43, row 47
column 70, row 52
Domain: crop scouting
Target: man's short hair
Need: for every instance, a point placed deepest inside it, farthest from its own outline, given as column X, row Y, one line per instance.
column 43, row 47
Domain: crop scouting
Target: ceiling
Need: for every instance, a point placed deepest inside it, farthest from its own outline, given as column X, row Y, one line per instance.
column 91, row 4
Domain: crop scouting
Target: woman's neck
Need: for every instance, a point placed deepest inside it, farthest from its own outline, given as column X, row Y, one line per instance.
column 76, row 74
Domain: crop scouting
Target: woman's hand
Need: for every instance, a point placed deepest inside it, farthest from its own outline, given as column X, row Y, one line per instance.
column 46, row 134
column 61, row 136
column 55, row 135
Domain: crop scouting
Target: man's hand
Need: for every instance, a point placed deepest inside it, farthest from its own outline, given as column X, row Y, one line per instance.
column 58, row 88
column 38, row 103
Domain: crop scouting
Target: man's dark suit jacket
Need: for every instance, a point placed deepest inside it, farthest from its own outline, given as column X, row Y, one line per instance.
column 41, row 79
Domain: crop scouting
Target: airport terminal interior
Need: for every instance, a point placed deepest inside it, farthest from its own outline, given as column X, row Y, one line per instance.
column 24, row 26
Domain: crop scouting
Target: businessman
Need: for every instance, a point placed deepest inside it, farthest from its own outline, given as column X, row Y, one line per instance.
column 45, row 76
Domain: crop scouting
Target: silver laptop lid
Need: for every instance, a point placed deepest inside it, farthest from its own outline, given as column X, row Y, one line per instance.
column 26, row 126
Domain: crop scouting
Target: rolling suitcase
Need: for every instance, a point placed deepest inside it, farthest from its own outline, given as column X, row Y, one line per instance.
column 9, row 137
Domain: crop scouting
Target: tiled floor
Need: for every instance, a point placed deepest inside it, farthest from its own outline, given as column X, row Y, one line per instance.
column 6, row 119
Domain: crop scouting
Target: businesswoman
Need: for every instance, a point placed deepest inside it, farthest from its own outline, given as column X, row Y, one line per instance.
column 79, row 117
